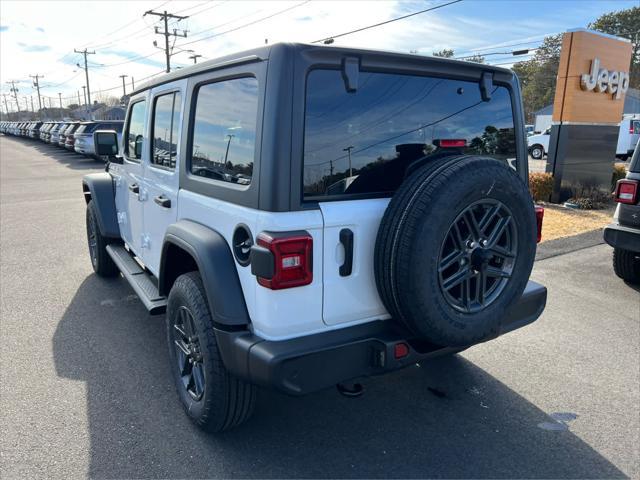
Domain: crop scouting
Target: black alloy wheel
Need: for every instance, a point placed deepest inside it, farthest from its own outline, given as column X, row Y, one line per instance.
column 92, row 238
column 188, row 354
column 477, row 256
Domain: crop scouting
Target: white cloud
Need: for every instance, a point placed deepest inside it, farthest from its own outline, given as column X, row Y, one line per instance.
column 40, row 36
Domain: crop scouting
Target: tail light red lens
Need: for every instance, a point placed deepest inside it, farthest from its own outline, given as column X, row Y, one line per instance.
column 292, row 257
column 400, row 350
column 539, row 219
column 450, row 142
column 626, row 191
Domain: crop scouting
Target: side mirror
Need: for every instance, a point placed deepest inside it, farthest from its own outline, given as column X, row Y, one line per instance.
column 138, row 151
column 106, row 143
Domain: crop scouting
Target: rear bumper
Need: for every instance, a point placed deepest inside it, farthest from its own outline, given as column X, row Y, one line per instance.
column 306, row 364
column 621, row 237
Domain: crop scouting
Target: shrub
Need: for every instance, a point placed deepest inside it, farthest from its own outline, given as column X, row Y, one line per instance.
column 619, row 172
column 540, row 186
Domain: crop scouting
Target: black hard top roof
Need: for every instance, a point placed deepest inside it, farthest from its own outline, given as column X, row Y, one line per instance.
column 263, row 53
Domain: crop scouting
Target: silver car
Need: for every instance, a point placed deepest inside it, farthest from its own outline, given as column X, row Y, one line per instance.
column 84, row 135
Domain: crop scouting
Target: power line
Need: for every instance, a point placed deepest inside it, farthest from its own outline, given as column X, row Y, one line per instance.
column 333, row 37
column 250, row 23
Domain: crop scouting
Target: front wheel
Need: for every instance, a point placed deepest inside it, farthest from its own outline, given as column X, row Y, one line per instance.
column 213, row 399
column 100, row 260
column 537, row 151
column 626, row 265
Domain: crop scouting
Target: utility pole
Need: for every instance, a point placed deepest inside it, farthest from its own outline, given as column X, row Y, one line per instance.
column 14, row 90
column 124, row 91
column 26, row 104
column 36, row 84
column 6, row 106
column 166, row 16
column 84, row 93
column 348, row 150
column 31, row 97
column 86, row 68
column 133, row 86
column 195, row 58
column 60, row 97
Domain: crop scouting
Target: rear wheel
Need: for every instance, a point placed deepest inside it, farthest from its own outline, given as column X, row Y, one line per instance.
column 626, row 265
column 213, row 399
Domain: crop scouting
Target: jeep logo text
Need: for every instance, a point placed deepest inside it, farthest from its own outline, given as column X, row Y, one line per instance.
column 604, row 81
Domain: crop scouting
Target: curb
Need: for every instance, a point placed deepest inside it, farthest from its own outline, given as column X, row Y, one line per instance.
column 560, row 246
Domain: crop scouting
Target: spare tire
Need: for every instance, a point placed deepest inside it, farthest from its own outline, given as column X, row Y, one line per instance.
column 455, row 249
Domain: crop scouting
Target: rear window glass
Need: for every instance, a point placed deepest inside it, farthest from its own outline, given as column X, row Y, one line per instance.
column 635, row 126
column 364, row 142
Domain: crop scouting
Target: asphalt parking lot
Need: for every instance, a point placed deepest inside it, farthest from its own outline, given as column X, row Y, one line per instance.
column 85, row 386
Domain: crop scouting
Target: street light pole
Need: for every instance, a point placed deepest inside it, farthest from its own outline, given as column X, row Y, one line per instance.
column 226, row 154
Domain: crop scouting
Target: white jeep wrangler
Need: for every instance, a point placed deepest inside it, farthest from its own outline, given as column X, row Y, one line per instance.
column 308, row 215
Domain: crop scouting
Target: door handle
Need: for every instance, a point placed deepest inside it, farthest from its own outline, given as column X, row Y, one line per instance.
column 134, row 187
column 346, row 239
column 162, row 201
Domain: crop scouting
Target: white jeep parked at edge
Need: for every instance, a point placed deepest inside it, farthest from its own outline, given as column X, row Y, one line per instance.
column 301, row 228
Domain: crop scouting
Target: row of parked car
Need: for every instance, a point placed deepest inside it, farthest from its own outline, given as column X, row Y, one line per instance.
column 75, row 136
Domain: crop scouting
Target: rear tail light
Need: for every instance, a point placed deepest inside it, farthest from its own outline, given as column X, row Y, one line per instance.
column 292, row 259
column 626, row 191
column 400, row 350
column 539, row 218
column 450, row 142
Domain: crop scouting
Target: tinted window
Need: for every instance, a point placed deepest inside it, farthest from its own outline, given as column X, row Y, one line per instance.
column 165, row 130
column 135, row 131
column 635, row 159
column 109, row 126
column 364, row 142
column 224, row 130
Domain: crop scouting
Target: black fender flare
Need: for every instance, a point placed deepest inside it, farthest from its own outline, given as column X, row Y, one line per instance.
column 99, row 188
column 217, row 268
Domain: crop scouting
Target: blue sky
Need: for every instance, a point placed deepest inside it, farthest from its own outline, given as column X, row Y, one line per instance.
column 39, row 37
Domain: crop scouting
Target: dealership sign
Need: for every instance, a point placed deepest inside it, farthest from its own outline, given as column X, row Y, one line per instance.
column 603, row 81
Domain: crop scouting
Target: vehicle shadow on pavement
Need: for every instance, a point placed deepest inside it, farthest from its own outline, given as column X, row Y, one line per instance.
column 447, row 418
column 68, row 158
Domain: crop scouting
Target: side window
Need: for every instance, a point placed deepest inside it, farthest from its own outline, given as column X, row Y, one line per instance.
column 165, row 131
column 135, row 131
column 224, row 130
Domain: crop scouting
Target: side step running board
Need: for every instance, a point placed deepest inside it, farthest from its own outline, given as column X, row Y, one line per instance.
column 139, row 280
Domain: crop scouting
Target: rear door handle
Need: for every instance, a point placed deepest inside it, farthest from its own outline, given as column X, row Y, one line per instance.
column 346, row 239
column 134, row 187
column 163, row 201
